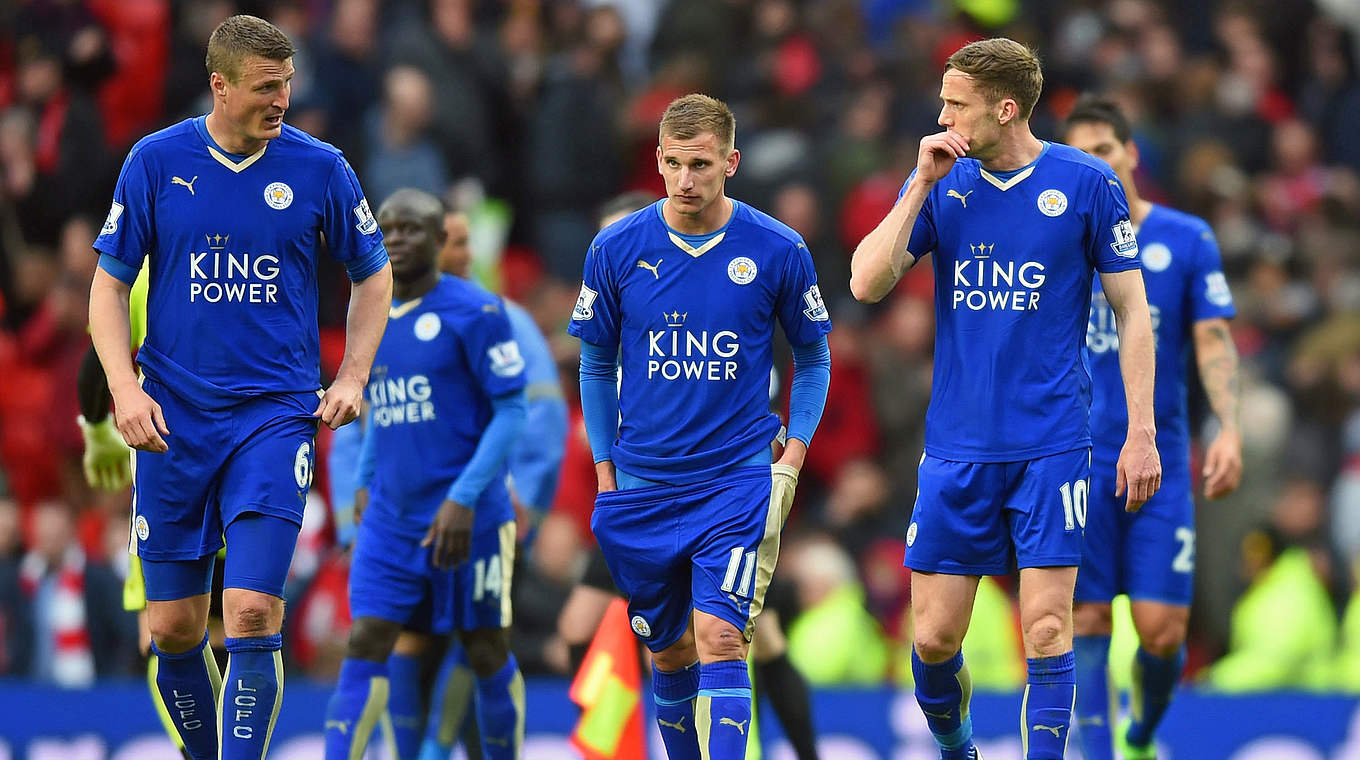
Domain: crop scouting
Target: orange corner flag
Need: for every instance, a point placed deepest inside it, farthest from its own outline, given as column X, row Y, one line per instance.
column 609, row 690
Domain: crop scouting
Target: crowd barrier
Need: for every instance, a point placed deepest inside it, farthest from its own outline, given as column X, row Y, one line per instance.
column 114, row 721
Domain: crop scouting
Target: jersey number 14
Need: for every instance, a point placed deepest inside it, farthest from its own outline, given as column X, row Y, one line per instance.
column 486, row 577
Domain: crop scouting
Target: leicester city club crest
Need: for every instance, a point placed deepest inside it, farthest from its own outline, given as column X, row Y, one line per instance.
column 741, row 270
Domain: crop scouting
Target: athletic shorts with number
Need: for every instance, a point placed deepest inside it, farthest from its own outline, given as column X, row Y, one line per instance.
column 1148, row 554
column 255, row 456
column 710, row 546
column 393, row 577
column 988, row 518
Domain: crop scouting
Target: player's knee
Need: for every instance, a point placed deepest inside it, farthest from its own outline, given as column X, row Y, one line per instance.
column 719, row 640
column 174, row 634
column 936, row 646
column 488, row 649
column 1164, row 638
column 1092, row 620
column 679, row 655
column 372, row 639
column 251, row 619
column 1045, row 635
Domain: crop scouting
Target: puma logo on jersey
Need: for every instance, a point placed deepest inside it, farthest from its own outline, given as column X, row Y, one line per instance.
column 651, row 267
column 189, row 184
column 962, row 198
column 741, row 727
column 679, row 725
column 941, row 716
column 1055, row 730
column 498, row 741
column 340, row 725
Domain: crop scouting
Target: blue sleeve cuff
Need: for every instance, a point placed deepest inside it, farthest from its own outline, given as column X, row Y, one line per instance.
column 807, row 394
column 367, row 456
column 362, row 268
column 499, row 437
column 122, row 272
column 599, row 362
column 600, row 398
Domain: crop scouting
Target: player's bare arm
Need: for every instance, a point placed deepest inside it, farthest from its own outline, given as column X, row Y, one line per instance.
column 795, row 452
column 369, row 301
column 881, row 258
column 137, row 416
column 1139, row 471
column 604, row 477
column 1216, row 356
column 360, row 504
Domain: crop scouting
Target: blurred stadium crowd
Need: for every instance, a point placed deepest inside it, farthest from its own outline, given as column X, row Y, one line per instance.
column 529, row 113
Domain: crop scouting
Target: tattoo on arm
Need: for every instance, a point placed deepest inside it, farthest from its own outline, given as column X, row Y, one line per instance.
column 1218, row 369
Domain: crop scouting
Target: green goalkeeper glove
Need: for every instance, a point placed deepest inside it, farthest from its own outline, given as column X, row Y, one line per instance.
column 107, row 460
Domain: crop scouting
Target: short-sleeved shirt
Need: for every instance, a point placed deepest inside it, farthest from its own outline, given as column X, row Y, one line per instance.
column 1014, row 257
column 442, row 360
column 231, row 243
column 1184, row 278
column 694, row 324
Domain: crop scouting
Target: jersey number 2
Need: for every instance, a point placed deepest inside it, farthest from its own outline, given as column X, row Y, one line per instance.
column 1185, row 558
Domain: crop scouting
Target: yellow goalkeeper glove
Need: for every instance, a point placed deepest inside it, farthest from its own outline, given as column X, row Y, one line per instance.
column 107, row 460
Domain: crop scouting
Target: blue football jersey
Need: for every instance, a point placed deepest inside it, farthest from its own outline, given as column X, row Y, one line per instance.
column 694, row 328
column 442, row 359
column 536, row 461
column 539, row 368
column 1014, row 257
column 231, row 242
column 1185, row 284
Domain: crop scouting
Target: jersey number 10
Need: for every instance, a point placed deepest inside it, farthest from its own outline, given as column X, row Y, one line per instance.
column 1074, row 503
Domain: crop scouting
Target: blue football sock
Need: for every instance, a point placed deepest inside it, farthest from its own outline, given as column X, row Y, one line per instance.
column 449, row 701
column 403, row 704
column 188, row 684
column 675, row 692
column 251, row 694
column 1094, row 709
column 1048, row 706
column 722, row 713
column 944, row 691
column 500, row 712
column 354, row 709
column 1154, row 678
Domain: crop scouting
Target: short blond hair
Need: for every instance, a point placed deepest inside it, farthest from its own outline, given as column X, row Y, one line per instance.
column 241, row 36
column 691, row 115
column 1003, row 68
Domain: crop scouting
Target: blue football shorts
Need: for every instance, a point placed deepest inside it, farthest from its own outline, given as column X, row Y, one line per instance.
column 988, row 518
column 261, row 553
column 392, row 577
column 1148, row 554
column 254, row 457
column 710, row 546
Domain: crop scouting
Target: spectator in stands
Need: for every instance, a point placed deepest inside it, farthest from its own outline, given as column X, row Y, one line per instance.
column 400, row 154
column 1284, row 627
column 471, row 121
column 80, row 630
column 834, row 640
column 16, row 631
